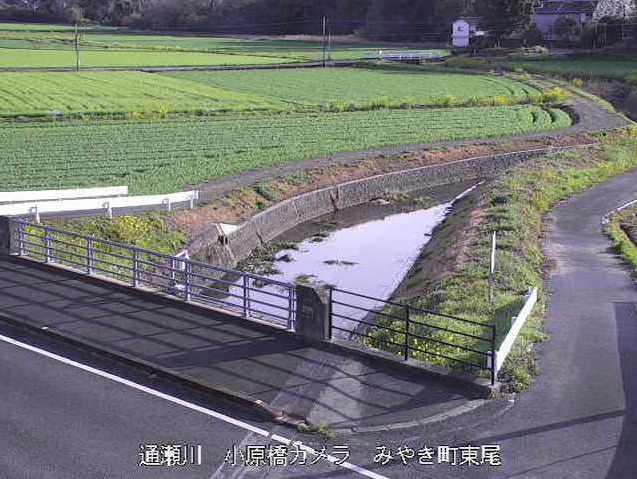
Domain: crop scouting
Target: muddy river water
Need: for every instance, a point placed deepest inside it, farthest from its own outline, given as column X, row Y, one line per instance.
column 368, row 249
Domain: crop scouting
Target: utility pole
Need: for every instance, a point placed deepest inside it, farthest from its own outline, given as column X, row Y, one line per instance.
column 324, row 41
column 329, row 40
column 77, row 48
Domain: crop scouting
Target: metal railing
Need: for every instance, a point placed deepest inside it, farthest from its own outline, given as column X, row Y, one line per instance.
column 252, row 296
column 401, row 329
column 413, row 333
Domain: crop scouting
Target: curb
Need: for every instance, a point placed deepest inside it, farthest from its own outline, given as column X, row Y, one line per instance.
column 436, row 418
column 232, row 398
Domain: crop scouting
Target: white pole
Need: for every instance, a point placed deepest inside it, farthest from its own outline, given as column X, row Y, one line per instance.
column 492, row 267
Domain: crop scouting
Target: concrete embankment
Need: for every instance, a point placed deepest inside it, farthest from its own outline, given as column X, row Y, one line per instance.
column 215, row 247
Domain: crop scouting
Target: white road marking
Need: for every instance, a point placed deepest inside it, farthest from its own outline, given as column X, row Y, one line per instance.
column 181, row 402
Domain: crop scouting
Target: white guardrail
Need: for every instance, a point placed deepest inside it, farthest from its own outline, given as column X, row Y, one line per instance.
column 96, row 204
column 75, row 194
column 516, row 326
column 400, row 56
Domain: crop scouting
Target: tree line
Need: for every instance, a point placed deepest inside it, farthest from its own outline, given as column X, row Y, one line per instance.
column 403, row 20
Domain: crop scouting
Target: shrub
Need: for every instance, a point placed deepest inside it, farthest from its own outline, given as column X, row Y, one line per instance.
column 554, row 95
column 577, row 82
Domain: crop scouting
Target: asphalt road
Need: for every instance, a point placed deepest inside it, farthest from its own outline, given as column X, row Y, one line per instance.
column 59, row 421
column 580, row 418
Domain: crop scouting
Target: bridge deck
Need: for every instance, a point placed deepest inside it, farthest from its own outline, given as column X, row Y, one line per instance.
column 215, row 349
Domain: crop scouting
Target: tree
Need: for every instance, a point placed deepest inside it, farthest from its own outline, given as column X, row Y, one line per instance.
column 567, row 29
column 502, row 17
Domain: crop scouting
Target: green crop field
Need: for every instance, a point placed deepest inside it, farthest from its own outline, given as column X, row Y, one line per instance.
column 55, row 93
column 35, row 27
column 359, row 84
column 37, row 37
column 43, row 58
column 591, row 68
column 161, row 156
column 115, row 92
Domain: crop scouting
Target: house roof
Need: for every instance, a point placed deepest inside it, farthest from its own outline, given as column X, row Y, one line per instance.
column 566, row 7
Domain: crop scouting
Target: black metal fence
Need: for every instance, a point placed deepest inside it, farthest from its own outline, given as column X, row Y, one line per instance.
column 250, row 295
column 401, row 329
column 413, row 333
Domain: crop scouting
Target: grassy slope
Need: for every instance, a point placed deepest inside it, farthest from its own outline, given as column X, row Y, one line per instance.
column 618, row 228
column 514, row 205
column 587, row 68
column 159, row 156
column 591, row 68
column 359, row 84
column 40, row 93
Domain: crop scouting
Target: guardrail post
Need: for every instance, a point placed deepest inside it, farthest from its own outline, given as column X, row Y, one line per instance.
column 188, row 281
column 136, row 274
column 312, row 313
column 407, row 332
column 90, row 256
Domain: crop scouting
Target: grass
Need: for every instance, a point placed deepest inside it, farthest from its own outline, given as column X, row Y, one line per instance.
column 49, row 58
column 150, row 231
column 162, row 156
column 587, row 69
column 622, row 229
column 361, row 85
column 514, row 205
column 599, row 67
column 86, row 92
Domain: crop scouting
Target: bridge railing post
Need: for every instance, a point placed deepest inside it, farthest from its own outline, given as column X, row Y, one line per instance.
column 312, row 313
column 136, row 272
column 90, row 256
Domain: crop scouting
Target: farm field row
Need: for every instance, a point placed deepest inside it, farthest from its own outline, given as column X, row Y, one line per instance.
column 161, row 156
column 49, row 58
column 114, row 92
column 53, row 93
column 300, row 49
column 359, row 84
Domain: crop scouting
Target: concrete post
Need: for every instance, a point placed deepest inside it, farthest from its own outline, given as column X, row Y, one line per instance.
column 6, row 240
column 312, row 313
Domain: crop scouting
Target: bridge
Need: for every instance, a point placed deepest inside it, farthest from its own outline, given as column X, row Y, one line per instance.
column 245, row 352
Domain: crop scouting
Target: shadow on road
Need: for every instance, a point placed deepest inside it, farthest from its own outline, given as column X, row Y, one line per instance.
column 625, row 460
column 213, row 348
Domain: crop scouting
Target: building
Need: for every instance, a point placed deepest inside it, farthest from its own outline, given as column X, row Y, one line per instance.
column 581, row 13
column 463, row 30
